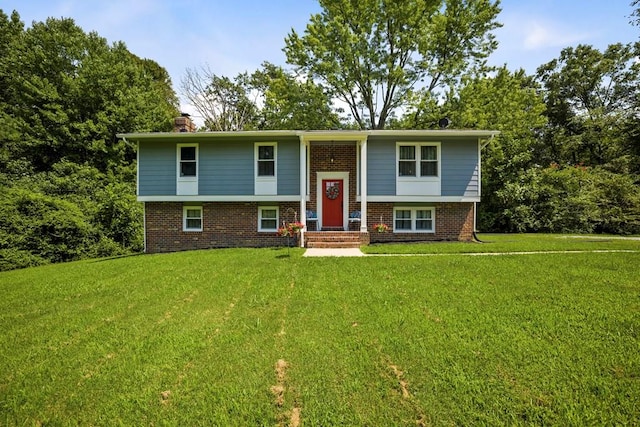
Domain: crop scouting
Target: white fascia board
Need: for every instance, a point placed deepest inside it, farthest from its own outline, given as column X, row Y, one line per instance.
column 222, row 198
column 422, row 199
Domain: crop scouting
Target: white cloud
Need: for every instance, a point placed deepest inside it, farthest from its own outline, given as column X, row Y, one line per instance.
column 541, row 35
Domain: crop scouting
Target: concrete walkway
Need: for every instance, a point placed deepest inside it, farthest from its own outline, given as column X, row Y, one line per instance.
column 333, row 252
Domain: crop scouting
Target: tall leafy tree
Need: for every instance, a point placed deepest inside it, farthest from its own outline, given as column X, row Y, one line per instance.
column 590, row 97
column 372, row 53
column 292, row 103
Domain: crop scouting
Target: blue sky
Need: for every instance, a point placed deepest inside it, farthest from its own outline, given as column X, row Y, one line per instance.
column 233, row 36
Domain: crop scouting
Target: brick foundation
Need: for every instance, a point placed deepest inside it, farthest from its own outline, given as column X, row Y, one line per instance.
column 235, row 225
column 227, row 224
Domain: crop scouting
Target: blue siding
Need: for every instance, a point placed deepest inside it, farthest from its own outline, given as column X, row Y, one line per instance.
column 226, row 168
column 289, row 167
column 459, row 168
column 157, row 168
column 381, row 167
column 459, row 165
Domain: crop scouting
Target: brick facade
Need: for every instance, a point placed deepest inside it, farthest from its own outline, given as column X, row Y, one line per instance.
column 344, row 160
column 224, row 224
column 454, row 221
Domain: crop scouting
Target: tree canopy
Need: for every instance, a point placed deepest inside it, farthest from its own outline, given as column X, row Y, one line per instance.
column 371, row 54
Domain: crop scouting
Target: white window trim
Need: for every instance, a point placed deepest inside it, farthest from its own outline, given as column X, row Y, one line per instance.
column 418, row 160
column 265, row 184
column 269, row 230
column 414, row 210
column 184, row 218
column 187, row 185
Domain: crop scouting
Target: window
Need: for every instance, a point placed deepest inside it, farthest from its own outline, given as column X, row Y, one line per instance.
column 192, row 218
column 414, row 219
column 418, row 160
column 268, row 218
column 188, row 160
column 266, row 169
column 266, row 160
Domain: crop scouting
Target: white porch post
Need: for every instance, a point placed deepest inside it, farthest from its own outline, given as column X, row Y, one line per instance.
column 363, row 185
column 303, row 188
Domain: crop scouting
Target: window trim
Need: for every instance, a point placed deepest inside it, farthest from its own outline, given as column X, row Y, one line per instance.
column 185, row 209
column 179, row 162
column 414, row 218
column 268, row 230
column 418, row 161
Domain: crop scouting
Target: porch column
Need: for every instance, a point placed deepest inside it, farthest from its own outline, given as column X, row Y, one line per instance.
column 363, row 185
column 303, row 187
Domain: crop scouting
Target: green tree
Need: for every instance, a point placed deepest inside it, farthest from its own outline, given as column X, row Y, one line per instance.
column 291, row 103
column 506, row 101
column 72, row 92
column 591, row 97
column 371, row 54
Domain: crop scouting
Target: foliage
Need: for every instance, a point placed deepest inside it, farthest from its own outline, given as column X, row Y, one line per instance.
column 270, row 98
column 292, row 103
column 363, row 341
column 225, row 104
column 572, row 199
column 590, row 96
column 67, row 181
column 371, row 54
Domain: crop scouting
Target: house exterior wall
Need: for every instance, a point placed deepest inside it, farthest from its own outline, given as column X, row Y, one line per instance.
column 226, row 224
column 454, row 221
column 225, row 167
column 459, row 165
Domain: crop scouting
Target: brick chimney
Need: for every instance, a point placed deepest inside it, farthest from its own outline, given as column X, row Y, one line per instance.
column 184, row 124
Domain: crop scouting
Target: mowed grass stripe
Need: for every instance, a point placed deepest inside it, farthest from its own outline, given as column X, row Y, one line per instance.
column 194, row 338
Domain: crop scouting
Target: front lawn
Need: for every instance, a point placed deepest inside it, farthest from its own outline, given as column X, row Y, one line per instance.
column 256, row 337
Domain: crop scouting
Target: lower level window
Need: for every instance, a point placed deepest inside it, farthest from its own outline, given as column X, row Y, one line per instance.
column 414, row 220
column 268, row 218
column 192, row 218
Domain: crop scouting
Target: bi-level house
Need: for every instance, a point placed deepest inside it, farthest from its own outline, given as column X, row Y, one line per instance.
column 224, row 189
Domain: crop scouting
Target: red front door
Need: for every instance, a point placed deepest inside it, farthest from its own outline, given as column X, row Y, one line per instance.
column 332, row 198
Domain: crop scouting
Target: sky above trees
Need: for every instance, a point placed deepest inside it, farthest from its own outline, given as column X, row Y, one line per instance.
column 234, row 36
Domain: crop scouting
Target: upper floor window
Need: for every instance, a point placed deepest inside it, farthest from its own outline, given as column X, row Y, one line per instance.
column 418, row 159
column 266, row 160
column 188, row 160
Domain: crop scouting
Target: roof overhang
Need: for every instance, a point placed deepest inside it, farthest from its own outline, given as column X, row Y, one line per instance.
column 313, row 135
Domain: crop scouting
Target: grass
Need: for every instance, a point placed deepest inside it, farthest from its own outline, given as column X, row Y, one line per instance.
column 256, row 337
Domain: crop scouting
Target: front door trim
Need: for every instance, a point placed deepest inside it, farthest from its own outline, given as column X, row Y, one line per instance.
column 344, row 176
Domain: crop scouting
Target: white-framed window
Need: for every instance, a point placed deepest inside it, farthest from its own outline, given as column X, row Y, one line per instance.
column 268, row 217
column 266, row 159
column 266, row 168
column 187, row 169
column 187, row 160
column 418, row 159
column 418, row 169
column 192, row 218
column 415, row 219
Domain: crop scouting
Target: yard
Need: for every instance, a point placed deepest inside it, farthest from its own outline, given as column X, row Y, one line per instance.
column 267, row 337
